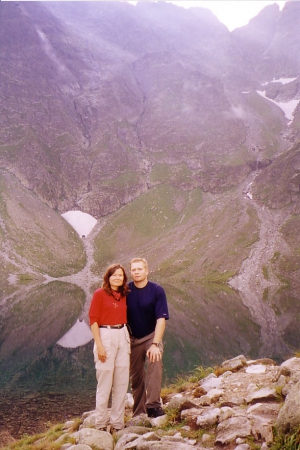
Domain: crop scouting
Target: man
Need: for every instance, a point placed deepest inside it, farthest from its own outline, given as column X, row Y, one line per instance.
column 147, row 312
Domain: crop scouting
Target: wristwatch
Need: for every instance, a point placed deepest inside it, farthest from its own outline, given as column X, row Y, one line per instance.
column 155, row 343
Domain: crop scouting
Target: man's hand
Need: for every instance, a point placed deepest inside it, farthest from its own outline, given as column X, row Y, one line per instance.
column 153, row 353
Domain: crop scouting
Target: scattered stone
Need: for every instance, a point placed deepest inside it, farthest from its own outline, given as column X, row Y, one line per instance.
column 256, row 368
column 208, row 418
column 98, row 440
column 225, row 413
column 230, row 429
column 248, row 407
column 78, row 447
column 141, row 420
column 210, row 382
column 289, row 415
column 292, row 364
column 262, row 394
column 128, row 400
column 159, row 421
column 207, row 438
column 180, row 403
column 242, row 447
column 235, row 363
column 69, row 424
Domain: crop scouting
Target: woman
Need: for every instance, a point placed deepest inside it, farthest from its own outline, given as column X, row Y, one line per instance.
column 111, row 348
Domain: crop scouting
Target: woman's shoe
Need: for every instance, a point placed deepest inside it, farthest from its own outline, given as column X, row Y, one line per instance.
column 113, row 430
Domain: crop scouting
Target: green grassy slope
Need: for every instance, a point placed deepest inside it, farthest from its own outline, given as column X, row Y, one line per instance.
column 33, row 238
column 185, row 235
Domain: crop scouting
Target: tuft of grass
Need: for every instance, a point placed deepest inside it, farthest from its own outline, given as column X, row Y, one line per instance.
column 52, row 439
column 218, row 370
column 252, row 444
column 186, row 382
column 278, row 390
column 289, row 441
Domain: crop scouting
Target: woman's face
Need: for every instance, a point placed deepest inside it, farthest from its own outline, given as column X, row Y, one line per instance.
column 116, row 279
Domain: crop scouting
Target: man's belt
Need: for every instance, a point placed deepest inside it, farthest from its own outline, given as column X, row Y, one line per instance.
column 114, row 327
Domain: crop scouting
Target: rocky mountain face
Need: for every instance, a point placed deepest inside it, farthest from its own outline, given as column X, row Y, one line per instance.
column 181, row 138
column 95, row 95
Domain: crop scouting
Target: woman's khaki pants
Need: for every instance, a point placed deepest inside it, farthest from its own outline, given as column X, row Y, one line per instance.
column 112, row 375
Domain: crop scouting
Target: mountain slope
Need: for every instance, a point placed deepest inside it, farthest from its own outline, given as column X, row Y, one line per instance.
column 171, row 131
column 88, row 106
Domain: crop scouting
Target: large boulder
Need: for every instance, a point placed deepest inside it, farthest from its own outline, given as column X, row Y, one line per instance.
column 98, row 440
column 289, row 416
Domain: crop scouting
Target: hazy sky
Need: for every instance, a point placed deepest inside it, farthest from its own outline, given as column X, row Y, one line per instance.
column 233, row 13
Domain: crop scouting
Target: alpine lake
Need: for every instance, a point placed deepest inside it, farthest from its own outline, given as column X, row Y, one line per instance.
column 47, row 370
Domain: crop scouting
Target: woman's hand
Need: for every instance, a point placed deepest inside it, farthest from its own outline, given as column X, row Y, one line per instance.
column 101, row 353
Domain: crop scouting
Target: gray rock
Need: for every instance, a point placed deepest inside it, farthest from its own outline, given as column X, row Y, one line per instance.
column 99, row 440
column 159, row 421
column 181, row 403
column 208, row 418
column 128, row 400
column 207, row 438
column 191, row 413
column 127, row 441
column 210, row 382
column 292, row 364
column 264, row 446
column 261, row 394
column 87, row 414
column 69, row 424
column 79, row 447
column 264, row 410
column 215, row 394
column 66, row 446
column 225, row 413
column 134, row 429
column 229, row 430
column 242, row 447
column 289, row 415
column 262, row 417
column 235, row 363
column 211, row 397
column 282, row 381
column 89, row 421
column 256, row 368
column 140, row 420
column 205, row 400
column 235, row 420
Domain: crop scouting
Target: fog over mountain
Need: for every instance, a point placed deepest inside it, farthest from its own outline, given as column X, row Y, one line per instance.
column 182, row 140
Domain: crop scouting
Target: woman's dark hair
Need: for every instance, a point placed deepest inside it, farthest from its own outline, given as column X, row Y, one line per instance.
column 109, row 272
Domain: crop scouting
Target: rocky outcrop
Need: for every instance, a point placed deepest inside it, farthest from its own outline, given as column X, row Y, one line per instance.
column 240, row 406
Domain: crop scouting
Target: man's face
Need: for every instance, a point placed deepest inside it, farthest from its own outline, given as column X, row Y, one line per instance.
column 138, row 272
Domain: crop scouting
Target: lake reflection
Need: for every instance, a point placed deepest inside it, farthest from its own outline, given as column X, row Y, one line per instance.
column 208, row 324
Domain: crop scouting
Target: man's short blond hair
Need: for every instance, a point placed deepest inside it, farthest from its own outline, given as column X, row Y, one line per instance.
column 142, row 260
